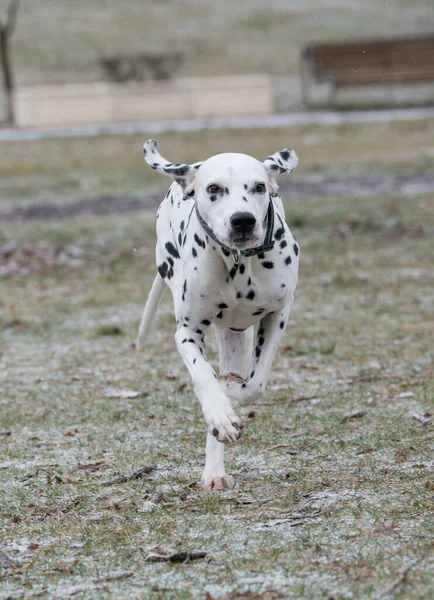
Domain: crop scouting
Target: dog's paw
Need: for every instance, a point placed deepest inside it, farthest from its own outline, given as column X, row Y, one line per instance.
column 218, row 483
column 241, row 391
column 231, row 377
column 225, row 426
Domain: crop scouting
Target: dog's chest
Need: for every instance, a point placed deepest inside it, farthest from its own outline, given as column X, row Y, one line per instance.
column 253, row 291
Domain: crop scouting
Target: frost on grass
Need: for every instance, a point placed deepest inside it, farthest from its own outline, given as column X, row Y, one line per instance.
column 334, row 476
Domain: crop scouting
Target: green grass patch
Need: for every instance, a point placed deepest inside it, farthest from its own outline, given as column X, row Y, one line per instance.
column 334, row 486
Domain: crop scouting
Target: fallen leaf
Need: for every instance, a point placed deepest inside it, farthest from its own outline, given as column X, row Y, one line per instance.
column 353, row 414
column 422, row 419
column 91, row 467
column 5, row 433
column 33, row 546
column 74, row 480
column 115, row 503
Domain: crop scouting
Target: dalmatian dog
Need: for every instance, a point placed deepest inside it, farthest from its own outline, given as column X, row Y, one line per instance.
column 230, row 261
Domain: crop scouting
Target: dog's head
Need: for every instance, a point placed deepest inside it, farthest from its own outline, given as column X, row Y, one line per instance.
column 231, row 190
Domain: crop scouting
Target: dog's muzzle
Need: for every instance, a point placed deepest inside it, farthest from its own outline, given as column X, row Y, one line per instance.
column 242, row 226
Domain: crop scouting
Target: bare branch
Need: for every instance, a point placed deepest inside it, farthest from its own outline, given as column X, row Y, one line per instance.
column 8, row 26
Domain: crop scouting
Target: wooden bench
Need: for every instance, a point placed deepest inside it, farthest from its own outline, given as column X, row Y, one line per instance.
column 328, row 68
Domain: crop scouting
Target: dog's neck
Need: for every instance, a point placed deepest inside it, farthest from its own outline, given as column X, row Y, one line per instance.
column 266, row 246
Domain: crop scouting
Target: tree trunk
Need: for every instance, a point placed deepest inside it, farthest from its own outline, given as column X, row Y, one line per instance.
column 7, row 76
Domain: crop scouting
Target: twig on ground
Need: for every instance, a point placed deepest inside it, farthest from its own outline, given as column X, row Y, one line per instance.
column 177, row 557
column 114, row 576
column 395, row 584
column 134, row 475
column 48, row 511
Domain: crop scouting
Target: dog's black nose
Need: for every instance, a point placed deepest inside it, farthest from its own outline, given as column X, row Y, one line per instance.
column 243, row 222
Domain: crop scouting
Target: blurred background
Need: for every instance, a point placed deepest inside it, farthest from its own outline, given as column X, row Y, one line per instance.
column 138, row 61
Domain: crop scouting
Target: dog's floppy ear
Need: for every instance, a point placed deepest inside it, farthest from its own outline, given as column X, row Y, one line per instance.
column 182, row 174
column 282, row 161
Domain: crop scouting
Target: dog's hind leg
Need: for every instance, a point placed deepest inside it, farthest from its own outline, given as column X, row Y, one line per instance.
column 235, row 351
column 150, row 310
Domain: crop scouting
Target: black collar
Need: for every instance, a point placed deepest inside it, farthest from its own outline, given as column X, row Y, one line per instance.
column 265, row 247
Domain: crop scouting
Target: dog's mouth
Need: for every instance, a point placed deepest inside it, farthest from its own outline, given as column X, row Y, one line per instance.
column 242, row 242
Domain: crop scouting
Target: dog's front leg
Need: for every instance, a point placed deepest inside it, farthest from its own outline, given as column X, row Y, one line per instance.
column 222, row 422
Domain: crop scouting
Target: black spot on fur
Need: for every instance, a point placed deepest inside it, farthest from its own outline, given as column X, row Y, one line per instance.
column 220, row 315
column 194, row 252
column 283, row 285
column 199, row 331
column 284, row 154
column 199, row 241
column 295, row 249
column 226, row 252
column 233, row 271
column 288, row 260
column 239, row 295
column 242, row 269
column 250, row 295
column 213, row 198
column 184, row 340
column 258, row 312
column 206, row 322
column 279, row 232
column 249, row 281
column 268, row 264
column 172, row 250
column 235, row 329
column 162, row 269
column 191, row 340
column 245, row 199
column 180, row 238
column 245, row 186
column 252, row 374
column 184, row 290
column 182, row 226
column 261, row 255
column 283, row 244
column 281, row 324
column 222, row 305
column 194, row 361
column 257, row 351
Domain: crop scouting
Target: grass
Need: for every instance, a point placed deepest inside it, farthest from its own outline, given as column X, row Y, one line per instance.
column 59, row 169
column 55, row 43
column 334, row 480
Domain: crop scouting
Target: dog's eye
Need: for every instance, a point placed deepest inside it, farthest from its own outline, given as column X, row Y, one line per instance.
column 213, row 189
column 260, row 188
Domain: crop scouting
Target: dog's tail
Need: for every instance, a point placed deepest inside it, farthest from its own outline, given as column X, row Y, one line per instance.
column 150, row 310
